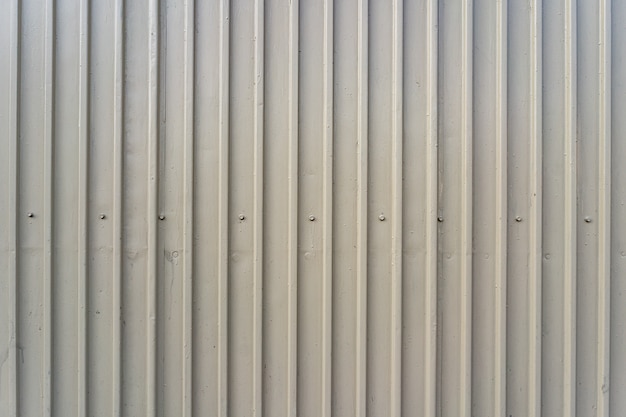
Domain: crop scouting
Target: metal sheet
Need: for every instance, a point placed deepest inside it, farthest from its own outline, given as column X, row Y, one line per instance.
column 331, row 207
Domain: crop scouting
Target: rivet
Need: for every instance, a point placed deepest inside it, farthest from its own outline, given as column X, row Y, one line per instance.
column 103, row 216
column 518, row 219
column 440, row 219
column 587, row 219
column 242, row 217
column 312, row 218
column 30, row 214
column 161, row 217
column 381, row 217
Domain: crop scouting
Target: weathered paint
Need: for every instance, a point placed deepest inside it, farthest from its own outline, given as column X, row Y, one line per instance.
column 313, row 208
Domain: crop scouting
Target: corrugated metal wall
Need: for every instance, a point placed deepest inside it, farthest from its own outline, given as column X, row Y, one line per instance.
column 313, row 208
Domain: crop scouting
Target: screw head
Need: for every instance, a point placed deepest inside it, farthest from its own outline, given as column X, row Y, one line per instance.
column 440, row 219
column 381, row 217
column 30, row 214
column 161, row 217
column 587, row 219
column 518, row 219
column 103, row 216
column 242, row 217
column 312, row 218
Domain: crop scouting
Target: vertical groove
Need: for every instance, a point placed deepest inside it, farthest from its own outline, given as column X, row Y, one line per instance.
column 292, row 238
column 465, row 399
column 396, row 209
column 569, row 225
column 224, row 133
column 604, row 208
column 327, row 238
column 430, row 339
column 153, row 181
column 535, row 232
column 188, row 203
column 118, row 96
column 259, row 114
column 83, row 198
column 501, row 210
column 362, row 179
column 46, row 377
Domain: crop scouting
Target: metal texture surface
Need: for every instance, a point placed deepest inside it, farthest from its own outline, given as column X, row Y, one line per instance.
column 313, row 208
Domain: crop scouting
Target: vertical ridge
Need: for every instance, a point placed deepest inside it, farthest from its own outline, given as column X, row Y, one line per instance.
column 48, row 90
column 327, row 232
column 83, row 198
column 259, row 114
column 396, row 208
column 224, row 133
column 188, row 163
column 569, row 238
column 465, row 399
column 153, row 185
column 432, row 117
column 116, row 339
column 535, row 232
column 9, row 394
column 604, row 208
column 292, row 250
column 501, row 210
column 362, row 180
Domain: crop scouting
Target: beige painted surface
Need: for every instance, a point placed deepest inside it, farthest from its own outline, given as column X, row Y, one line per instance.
column 313, row 208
